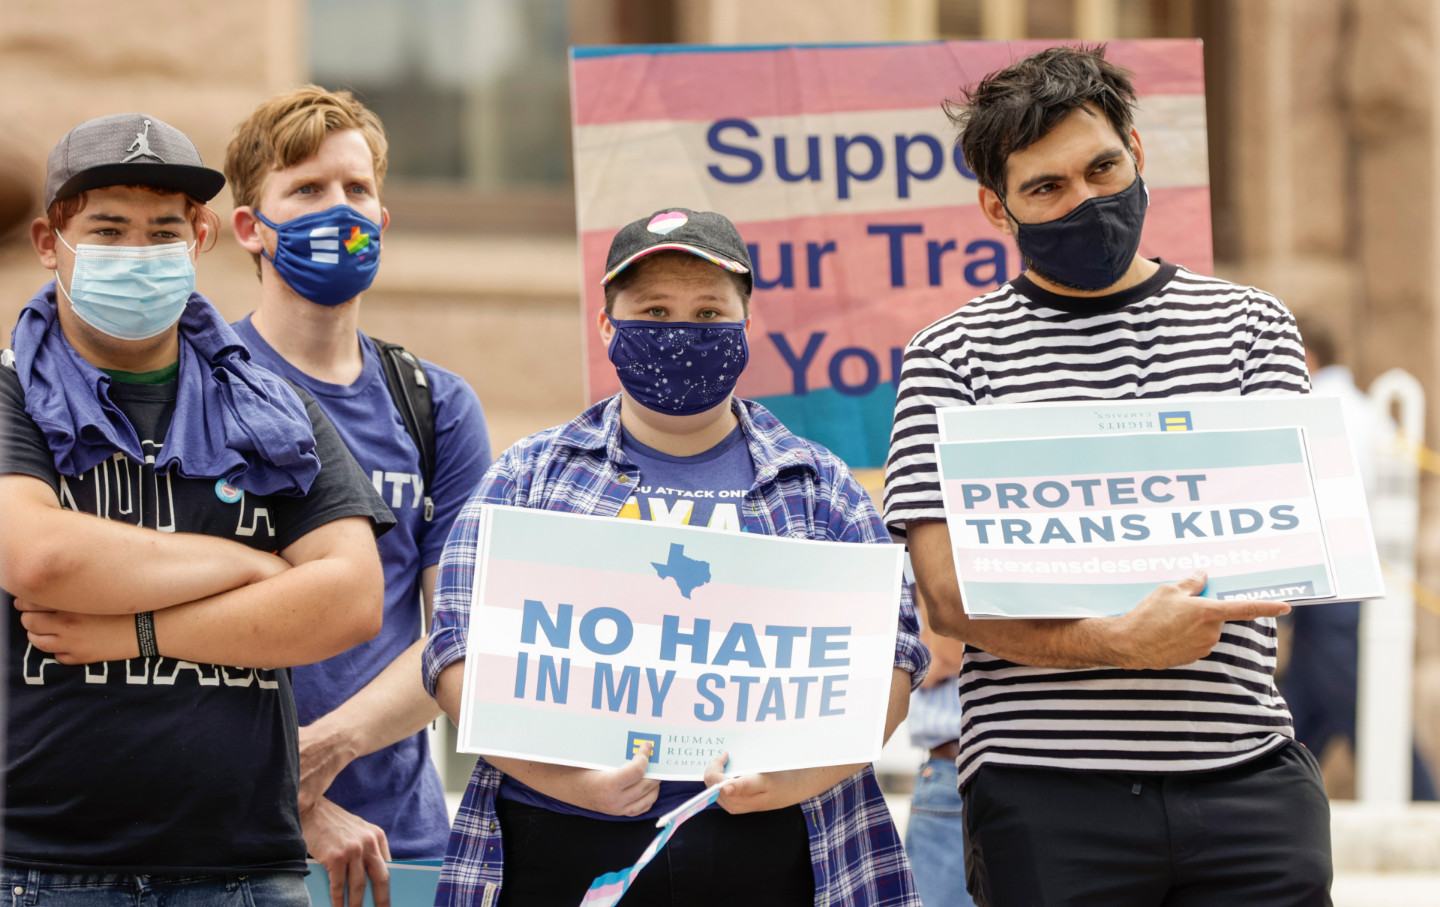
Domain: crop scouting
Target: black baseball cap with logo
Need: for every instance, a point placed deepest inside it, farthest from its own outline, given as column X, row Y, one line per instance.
column 706, row 234
column 128, row 149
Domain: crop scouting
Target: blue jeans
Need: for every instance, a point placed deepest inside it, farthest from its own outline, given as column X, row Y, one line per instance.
column 935, row 836
column 39, row 888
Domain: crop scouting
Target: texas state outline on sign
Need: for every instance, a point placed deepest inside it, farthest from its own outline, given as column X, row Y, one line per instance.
column 687, row 572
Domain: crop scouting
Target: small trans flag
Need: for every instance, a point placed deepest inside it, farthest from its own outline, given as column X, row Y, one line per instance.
column 607, row 889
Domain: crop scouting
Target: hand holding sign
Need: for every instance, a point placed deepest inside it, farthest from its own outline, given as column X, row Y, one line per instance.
column 1173, row 626
column 762, row 791
column 621, row 791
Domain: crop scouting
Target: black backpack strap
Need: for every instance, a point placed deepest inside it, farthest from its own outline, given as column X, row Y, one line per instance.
column 405, row 377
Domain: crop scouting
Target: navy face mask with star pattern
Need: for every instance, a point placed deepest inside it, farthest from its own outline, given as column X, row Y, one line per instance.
column 679, row 368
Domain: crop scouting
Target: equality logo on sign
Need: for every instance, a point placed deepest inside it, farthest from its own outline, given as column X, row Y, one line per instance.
column 1177, row 421
column 637, row 740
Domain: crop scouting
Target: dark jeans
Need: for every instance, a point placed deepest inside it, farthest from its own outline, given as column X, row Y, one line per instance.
column 1254, row 834
column 39, row 888
column 756, row 859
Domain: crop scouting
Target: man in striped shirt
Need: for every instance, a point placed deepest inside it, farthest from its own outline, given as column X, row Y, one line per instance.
column 1148, row 758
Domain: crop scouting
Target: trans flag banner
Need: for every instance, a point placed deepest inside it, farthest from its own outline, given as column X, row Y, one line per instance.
column 839, row 167
column 590, row 636
column 1088, row 526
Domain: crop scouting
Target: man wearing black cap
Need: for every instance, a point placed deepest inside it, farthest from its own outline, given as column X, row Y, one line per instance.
column 151, row 734
column 673, row 446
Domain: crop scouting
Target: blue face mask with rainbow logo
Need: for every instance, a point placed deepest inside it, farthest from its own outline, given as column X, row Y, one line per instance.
column 328, row 257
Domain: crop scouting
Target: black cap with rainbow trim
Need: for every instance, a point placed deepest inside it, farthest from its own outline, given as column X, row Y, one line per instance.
column 709, row 235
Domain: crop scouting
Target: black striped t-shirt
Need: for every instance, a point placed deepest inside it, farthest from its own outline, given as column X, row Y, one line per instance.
column 1176, row 333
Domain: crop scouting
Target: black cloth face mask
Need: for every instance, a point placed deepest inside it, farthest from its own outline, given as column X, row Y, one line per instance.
column 1092, row 246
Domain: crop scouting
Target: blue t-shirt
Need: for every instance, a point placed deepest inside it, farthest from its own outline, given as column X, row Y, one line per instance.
column 701, row 490
column 396, row 788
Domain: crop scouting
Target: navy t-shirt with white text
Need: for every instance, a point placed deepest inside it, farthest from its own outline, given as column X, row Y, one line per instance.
column 396, row 787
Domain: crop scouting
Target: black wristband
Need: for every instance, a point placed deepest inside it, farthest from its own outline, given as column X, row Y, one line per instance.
column 145, row 634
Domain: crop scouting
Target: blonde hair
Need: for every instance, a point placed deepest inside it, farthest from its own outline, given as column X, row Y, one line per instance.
column 289, row 129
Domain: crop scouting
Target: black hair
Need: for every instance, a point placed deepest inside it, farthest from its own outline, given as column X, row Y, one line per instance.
column 1014, row 108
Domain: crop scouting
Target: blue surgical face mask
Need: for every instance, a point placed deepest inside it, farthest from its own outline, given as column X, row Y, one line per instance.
column 1092, row 246
column 129, row 292
column 678, row 368
column 328, row 257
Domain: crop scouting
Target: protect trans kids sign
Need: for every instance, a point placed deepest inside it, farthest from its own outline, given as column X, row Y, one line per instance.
column 839, row 167
column 590, row 636
column 1339, row 487
column 1087, row 526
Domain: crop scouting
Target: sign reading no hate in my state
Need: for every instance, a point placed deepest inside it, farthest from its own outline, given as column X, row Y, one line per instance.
column 1087, row 526
column 590, row 635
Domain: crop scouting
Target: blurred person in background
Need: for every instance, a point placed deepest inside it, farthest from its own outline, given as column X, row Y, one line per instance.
column 935, row 832
column 148, row 475
column 1321, row 677
column 306, row 169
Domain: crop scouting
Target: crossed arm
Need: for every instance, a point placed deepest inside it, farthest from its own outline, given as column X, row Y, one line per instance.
column 79, row 579
column 1171, row 626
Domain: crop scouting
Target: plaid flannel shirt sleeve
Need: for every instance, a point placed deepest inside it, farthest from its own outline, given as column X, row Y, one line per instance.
column 455, row 579
column 852, row 518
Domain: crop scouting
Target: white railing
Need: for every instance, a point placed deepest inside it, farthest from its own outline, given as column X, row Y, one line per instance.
column 1384, row 722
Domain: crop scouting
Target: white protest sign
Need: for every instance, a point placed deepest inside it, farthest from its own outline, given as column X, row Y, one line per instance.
column 591, row 635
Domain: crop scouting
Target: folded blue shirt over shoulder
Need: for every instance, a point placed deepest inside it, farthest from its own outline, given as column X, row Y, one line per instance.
column 233, row 420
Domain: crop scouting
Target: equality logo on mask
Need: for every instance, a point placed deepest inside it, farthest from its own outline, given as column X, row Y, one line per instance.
column 667, row 223
column 325, row 244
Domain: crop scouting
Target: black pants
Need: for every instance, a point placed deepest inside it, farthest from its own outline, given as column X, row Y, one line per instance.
column 1254, row 834
column 756, row 859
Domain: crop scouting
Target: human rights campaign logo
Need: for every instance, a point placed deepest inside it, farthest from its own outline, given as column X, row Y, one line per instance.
column 325, row 244
column 638, row 739
column 1177, row 421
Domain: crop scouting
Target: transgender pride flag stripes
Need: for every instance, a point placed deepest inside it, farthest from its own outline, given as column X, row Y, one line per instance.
column 609, row 888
